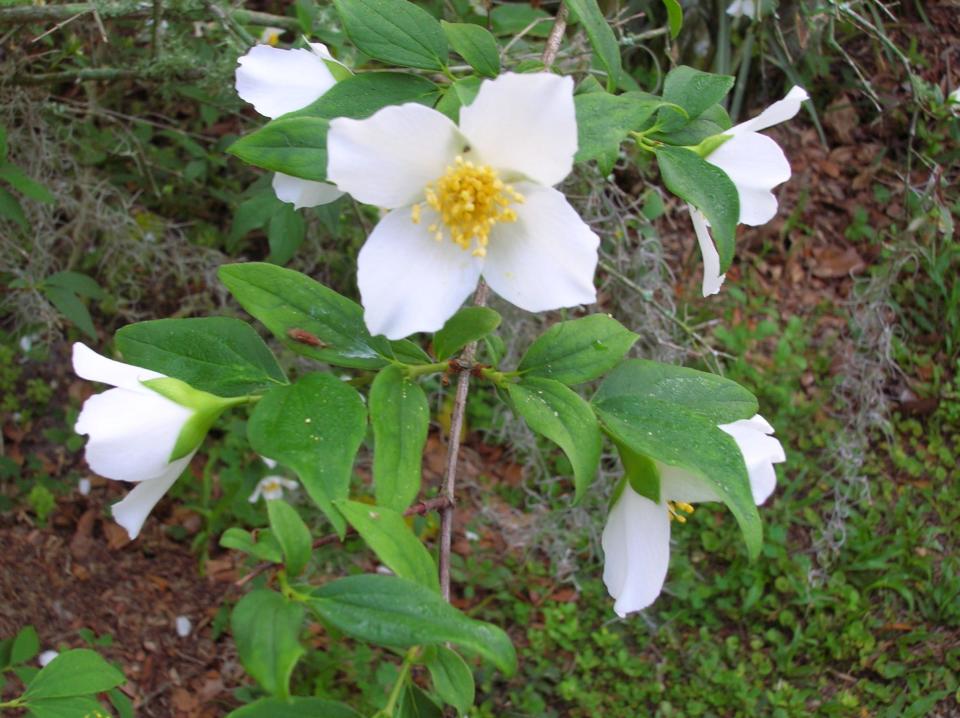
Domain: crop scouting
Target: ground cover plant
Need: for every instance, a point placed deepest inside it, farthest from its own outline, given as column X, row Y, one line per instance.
column 238, row 588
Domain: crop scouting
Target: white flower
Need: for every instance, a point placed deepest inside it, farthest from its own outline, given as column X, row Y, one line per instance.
column 746, row 8
column 636, row 539
column 271, row 488
column 279, row 81
column 271, row 35
column 465, row 201
column 755, row 164
column 44, row 658
column 134, row 431
column 954, row 97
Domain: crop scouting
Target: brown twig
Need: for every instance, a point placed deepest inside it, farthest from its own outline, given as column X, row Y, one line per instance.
column 555, row 37
column 419, row 509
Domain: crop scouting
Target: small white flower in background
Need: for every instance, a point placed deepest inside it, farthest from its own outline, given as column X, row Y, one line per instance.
column 83, row 486
column 276, row 82
column 636, row 539
column 756, row 164
column 271, row 464
column 954, row 98
column 745, row 8
column 183, row 626
column 44, row 658
column 134, row 431
column 468, row 200
column 271, row 488
column 271, row 35
column 471, row 535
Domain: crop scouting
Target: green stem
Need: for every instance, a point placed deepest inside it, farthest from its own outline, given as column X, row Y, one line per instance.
column 15, row 703
column 418, row 370
column 401, row 682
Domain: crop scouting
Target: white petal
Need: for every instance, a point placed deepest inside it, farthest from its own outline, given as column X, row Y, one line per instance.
column 271, row 464
column 183, row 626
column 757, row 206
column 779, row 111
column 389, row 158
column 279, row 81
column 752, row 160
column 678, row 484
column 746, row 8
column 636, row 550
column 304, row 193
column 132, row 434
column 87, row 364
column 547, row 258
column 83, row 486
column 44, row 658
column 712, row 279
column 133, row 510
column 524, row 123
column 760, row 452
column 409, row 282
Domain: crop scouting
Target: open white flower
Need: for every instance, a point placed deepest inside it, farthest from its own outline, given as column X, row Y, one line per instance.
column 271, row 488
column 465, row 201
column 756, row 164
column 137, row 434
column 636, row 539
column 746, row 8
column 276, row 82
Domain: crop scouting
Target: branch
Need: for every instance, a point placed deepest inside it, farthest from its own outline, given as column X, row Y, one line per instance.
column 555, row 37
column 418, row 509
column 101, row 73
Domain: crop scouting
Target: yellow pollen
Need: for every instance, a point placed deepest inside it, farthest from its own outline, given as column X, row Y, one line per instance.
column 469, row 200
column 676, row 507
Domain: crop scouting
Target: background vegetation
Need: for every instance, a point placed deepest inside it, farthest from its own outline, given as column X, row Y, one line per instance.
column 118, row 202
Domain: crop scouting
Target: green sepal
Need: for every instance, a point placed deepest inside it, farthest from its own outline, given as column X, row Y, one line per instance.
column 640, row 471
column 710, row 145
column 206, row 410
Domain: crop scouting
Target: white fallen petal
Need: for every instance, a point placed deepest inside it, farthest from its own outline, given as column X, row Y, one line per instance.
column 304, row 193
column 547, row 258
column 712, row 279
column 44, row 658
column 83, row 486
column 525, row 124
column 279, row 81
column 183, row 626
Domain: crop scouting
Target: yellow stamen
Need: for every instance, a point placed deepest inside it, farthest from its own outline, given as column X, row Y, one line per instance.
column 469, row 201
column 676, row 507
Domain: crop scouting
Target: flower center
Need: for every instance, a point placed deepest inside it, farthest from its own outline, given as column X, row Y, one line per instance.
column 677, row 510
column 469, row 200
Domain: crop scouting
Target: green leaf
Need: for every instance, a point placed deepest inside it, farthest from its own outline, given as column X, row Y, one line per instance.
column 11, row 209
column 306, row 316
column 467, row 325
column 315, row 427
column 706, row 187
column 77, row 283
column 694, row 91
column 604, row 121
column 285, row 233
column 292, row 533
column 25, row 646
column 514, row 18
column 72, row 707
column 400, row 415
column 641, row 471
column 460, row 93
column 265, row 548
column 578, row 350
column 32, row 189
column 218, row 355
column 295, row 146
column 560, row 414
column 601, row 37
column 690, row 134
column 294, row 707
column 387, row 534
column 417, row 703
column 452, row 678
column 79, row 672
column 3, row 143
column 266, row 629
column 674, row 17
column 395, row 31
column 670, row 414
column 474, row 44
column 70, row 306
column 395, row 612
column 361, row 95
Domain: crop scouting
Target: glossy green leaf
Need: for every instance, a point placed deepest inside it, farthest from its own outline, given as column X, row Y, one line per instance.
column 306, row 316
column 79, row 672
column 458, row 94
column 25, row 646
column 474, row 44
column 604, row 121
column 601, row 37
column 265, row 547
column 451, row 676
column 395, row 31
column 674, row 17
column 292, row 534
column 578, row 350
column 514, row 18
column 80, row 284
column 73, row 707
column 641, row 472
column 294, row 707
column 286, row 230
column 218, row 355
column 387, row 534
column 295, row 146
column 315, row 427
column 417, row 703
column 400, row 416
column 359, row 96
column 560, row 414
column 694, row 91
column 709, row 189
column 392, row 611
column 467, row 325
column 266, row 628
